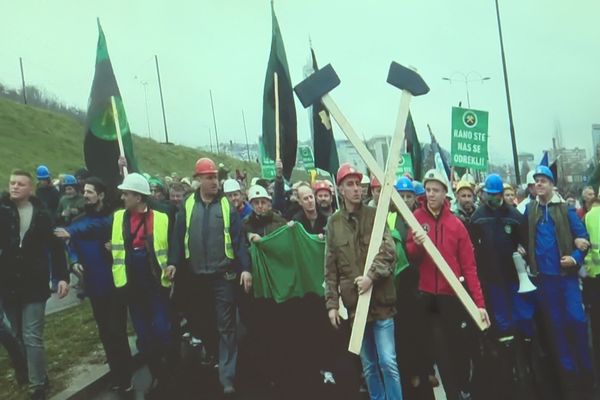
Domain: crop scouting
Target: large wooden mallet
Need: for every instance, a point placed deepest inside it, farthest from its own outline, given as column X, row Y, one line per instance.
column 315, row 88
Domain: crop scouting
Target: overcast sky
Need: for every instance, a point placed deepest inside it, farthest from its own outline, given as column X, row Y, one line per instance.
column 552, row 50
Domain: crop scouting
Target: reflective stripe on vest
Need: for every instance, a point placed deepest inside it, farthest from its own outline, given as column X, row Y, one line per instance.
column 160, row 242
column 225, row 209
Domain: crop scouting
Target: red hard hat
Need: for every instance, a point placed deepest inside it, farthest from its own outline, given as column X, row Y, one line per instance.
column 205, row 166
column 346, row 170
column 321, row 185
column 374, row 182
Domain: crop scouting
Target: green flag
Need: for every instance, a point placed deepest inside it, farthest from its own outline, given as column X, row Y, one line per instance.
column 287, row 109
column 100, row 147
column 326, row 155
column 287, row 263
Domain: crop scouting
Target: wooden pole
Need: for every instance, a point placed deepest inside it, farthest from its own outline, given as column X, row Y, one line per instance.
column 118, row 130
column 276, row 89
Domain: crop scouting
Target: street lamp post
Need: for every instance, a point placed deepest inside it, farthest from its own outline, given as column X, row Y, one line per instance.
column 466, row 79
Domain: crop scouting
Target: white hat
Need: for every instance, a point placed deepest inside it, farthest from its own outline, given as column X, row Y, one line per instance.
column 231, row 185
column 258, row 192
column 135, row 182
column 437, row 176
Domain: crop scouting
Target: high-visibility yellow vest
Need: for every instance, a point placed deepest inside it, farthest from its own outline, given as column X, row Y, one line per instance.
column 592, row 224
column 160, row 242
column 189, row 207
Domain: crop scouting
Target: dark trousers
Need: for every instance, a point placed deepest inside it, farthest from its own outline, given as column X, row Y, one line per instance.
column 214, row 299
column 446, row 339
column 591, row 298
column 110, row 313
column 149, row 311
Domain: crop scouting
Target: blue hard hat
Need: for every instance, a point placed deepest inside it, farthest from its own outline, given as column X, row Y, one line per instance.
column 42, row 172
column 493, row 184
column 419, row 188
column 403, row 184
column 69, row 180
column 542, row 170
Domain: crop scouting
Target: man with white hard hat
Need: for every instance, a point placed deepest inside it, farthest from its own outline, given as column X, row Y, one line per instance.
column 233, row 191
column 139, row 245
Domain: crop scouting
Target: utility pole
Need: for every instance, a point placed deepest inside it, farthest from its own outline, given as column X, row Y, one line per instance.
column 162, row 102
column 23, row 81
column 510, row 117
column 246, row 133
column 214, row 120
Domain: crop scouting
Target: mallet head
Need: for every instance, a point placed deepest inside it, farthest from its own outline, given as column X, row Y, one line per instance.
column 406, row 79
column 312, row 89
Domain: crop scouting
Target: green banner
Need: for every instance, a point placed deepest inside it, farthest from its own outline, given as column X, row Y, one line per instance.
column 405, row 165
column 307, row 158
column 267, row 166
column 469, row 138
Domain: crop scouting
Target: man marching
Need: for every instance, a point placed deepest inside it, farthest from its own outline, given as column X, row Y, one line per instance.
column 348, row 237
column 139, row 245
column 439, row 303
column 209, row 248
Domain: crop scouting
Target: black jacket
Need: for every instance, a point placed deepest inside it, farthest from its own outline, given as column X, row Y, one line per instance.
column 25, row 270
column 49, row 196
column 320, row 222
column 496, row 235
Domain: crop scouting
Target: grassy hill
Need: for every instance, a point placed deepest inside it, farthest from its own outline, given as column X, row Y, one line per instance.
column 31, row 136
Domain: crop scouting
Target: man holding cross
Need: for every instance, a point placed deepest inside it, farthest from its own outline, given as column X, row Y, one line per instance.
column 349, row 234
column 438, row 301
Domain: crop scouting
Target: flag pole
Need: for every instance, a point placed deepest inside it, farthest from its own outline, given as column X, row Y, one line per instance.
column 276, row 88
column 118, row 130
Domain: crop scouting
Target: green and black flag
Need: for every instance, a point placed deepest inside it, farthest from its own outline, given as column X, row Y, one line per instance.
column 100, row 147
column 287, row 109
column 326, row 155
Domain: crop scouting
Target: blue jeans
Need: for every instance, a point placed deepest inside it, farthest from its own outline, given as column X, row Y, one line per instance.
column 378, row 357
column 12, row 346
column 27, row 321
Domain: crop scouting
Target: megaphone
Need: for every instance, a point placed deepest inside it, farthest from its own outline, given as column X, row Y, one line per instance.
column 525, row 285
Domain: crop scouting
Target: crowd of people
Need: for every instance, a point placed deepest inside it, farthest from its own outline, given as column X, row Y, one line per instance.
column 173, row 254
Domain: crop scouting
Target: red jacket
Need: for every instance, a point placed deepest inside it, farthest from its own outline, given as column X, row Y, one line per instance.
column 452, row 240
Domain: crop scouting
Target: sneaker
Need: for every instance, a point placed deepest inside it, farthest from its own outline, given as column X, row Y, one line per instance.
column 228, row 390
column 464, row 395
column 126, row 388
column 328, row 378
column 195, row 342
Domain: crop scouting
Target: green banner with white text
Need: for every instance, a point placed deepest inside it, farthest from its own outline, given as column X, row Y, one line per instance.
column 469, row 138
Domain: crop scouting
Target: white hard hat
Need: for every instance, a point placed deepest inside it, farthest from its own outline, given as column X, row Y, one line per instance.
column 135, row 182
column 258, row 192
column 365, row 180
column 530, row 178
column 437, row 176
column 231, row 185
column 468, row 178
